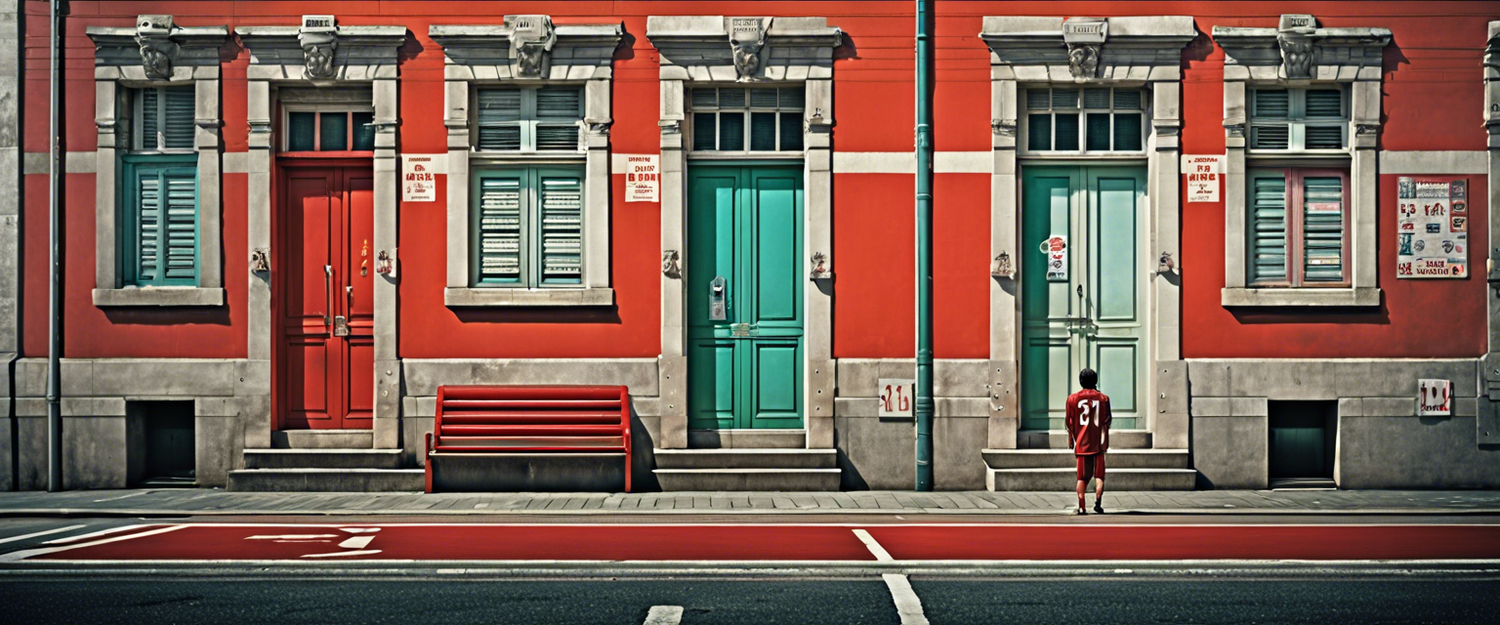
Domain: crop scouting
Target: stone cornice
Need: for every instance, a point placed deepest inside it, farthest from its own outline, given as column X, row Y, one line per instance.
column 528, row 47
column 714, row 47
column 194, row 45
column 459, row 36
column 1140, row 48
column 1299, row 50
column 357, row 45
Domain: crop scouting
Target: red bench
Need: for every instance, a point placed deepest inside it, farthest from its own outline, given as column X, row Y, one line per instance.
column 558, row 424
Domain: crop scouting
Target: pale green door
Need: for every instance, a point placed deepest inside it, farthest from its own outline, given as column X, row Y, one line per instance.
column 743, row 274
column 1089, row 310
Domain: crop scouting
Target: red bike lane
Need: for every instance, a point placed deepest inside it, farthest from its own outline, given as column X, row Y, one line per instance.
column 779, row 543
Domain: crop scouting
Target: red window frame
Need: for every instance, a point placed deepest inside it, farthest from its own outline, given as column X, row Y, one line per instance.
column 1295, row 196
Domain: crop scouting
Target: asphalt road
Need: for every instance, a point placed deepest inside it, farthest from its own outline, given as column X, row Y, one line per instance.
column 757, row 601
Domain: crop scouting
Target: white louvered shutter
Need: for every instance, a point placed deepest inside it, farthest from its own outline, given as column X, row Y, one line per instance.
column 1268, row 229
column 500, row 228
column 165, row 226
column 561, row 231
column 1323, row 229
column 499, row 119
column 1271, row 112
column 148, row 227
column 558, row 113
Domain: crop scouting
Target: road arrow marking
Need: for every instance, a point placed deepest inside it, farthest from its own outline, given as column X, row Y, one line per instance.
column 874, row 547
column 337, row 554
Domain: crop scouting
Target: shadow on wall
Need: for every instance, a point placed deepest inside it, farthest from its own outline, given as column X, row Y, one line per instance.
column 539, row 315
column 643, row 456
column 1303, row 315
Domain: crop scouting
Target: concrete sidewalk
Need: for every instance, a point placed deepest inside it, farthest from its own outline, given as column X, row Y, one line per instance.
column 179, row 502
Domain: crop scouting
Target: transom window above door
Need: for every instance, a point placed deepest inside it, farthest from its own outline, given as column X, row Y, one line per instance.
column 324, row 130
column 754, row 119
column 528, row 119
column 1299, row 119
column 1072, row 120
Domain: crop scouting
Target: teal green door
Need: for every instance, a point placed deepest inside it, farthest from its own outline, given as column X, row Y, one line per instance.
column 744, row 297
column 1089, row 309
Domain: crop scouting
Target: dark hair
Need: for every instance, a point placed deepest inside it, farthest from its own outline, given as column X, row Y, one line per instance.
column 1088, row 378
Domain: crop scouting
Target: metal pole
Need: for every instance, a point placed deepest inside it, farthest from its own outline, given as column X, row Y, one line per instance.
column 54, row 324
column 924, row 405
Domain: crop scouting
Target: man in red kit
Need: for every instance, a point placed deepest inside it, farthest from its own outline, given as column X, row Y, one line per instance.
column 1088, row 434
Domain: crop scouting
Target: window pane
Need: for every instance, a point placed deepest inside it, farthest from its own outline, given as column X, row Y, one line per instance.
column 1065, row 98
column 705, row 98
column 334, row 134
column 1039, row 131
column 554, row 136
column 498, row 105
column 1269, row 137
column 791, row 132
column 1127, row 100
column 1128, row 132
column 1037, row 99
column 178, row 126
column 1323, row 137
column 1067, row 132
column 705, row 130
column 763, row 131
column 1268, row 229
column 1323, row 229
column 792, row 98
column 364, row 131
column 507, row 137
column 561, row 103
column 1098, row 132
column 732, row 131
column 731, row 98
column 1325, row 103
column 301, row 132
column 150, row 118
column 1268, row 103
column 1096, row 98
column 763, row 98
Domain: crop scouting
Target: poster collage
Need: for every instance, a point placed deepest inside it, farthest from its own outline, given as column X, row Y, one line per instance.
column 1433, row 228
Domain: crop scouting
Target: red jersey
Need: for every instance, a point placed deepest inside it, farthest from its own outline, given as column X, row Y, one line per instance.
column 1088, row 421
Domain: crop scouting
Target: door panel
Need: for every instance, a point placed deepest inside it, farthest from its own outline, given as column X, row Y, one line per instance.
column 327, row 377
column 745, row 226
column 1092, row 317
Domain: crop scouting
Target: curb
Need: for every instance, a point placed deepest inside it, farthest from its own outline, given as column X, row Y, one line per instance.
column 760, row 512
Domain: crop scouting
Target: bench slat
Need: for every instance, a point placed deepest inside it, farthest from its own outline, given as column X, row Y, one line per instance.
column 532, row 392
column 467, row 417
column 450, row 443
column 564, row 430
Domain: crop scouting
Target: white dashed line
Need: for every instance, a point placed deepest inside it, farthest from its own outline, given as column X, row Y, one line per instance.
column 29, row 553
column 41, row 533
column 907, row 603
column 82, row 537
column 339, row 554
column 664, row 615
column 874, row 547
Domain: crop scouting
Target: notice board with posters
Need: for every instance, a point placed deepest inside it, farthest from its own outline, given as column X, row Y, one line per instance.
column 1432, row 227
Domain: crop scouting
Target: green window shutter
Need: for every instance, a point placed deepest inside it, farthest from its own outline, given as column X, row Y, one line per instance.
column 499, row 228
column 161, row 226
column 1270, row 112
column 560, row 196
column 1268, row 251
column 178, row 125
column 499, row 118
column 1323, row 229
column 558, row 111
column 150, row 118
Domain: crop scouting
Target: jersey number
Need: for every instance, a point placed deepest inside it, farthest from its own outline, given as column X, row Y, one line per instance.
column 1087, row 407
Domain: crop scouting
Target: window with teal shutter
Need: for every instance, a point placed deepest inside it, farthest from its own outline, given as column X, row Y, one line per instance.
column 1298, row 119
column 160, row 222
column 527, row 227
column 1323, row 229
column 525, row 119
column 1268, row 241
column 165, row 119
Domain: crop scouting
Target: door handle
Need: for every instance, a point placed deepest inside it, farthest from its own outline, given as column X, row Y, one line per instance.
column 718, row 299
column 328, row 290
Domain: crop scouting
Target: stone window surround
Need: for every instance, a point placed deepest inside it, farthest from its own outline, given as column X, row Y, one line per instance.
column 697, row 50
column 117, row 66
column 1489, row 411
column 484, row 55
column 1344, row 56
column 364, row 56
column 1138, row 51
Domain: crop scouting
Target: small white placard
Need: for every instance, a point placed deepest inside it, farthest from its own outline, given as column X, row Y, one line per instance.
column 1203, row 171
column 642, row 178
column 1434, row 397
column 896, row 397
column 419, row 177
column 1056, row 249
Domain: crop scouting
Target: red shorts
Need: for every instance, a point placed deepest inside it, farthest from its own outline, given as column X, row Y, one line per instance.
column 1090, row 465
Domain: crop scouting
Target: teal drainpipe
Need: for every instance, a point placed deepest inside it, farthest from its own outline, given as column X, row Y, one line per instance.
column 924, row 406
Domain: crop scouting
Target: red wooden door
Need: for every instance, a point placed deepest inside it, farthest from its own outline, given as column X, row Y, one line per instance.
column 328, row 323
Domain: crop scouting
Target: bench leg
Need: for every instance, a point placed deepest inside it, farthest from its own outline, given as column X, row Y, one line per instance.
column 427, row 462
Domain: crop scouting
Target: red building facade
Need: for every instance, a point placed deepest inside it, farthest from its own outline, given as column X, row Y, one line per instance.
column 285, row 226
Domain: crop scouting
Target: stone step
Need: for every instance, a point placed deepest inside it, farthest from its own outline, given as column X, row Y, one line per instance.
column 1062, row 458
column 1058, row 439
column 323, row 439
column 327, row 480
column 679, row 480
column 323, row 458
column 746, row 458
column 1065, row 480
column 747, row 439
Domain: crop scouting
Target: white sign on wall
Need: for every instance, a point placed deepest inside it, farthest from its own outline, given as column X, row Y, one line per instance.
column 642, row 178
column 1204, row 172
column 1056, row 249
column 896, row 397
column 1432, row 227
column 1434, row 397
column 419, row 176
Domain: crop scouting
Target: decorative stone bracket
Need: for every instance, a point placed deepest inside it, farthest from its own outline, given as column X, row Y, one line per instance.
column 1298, row 50
column 527, row 47
column 759, row 48
column 1054, row 49
column 156, row 46
column 324, row 50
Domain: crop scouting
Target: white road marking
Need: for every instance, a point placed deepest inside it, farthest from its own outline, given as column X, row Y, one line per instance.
column 122, row 496
column 907, row 603
column 41, row 533
column 22, row 555
column 338, row 554
column 358, row 542
column 316, row 537
column 103, row 532
column 360, row 530
column 874, row 547
column 664, row 615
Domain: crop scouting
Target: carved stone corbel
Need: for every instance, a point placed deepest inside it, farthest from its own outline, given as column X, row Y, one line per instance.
column 531, row 42
column 747, row 38
column 1085, row 39
column 1294, row 37
column 319, row 39
column 154, row 35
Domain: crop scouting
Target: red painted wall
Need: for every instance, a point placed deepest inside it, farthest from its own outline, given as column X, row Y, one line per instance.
column 1432, row 66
